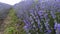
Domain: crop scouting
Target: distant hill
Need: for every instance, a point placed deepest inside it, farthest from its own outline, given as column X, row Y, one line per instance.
column 4, row 9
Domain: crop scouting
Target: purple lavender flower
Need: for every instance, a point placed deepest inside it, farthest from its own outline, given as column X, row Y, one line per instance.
column 48, row 32
column 41, row 12
column 53, row 15
column 58, row 29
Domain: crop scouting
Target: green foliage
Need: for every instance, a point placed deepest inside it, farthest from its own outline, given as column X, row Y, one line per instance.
column 12, row 27
column 10, row 30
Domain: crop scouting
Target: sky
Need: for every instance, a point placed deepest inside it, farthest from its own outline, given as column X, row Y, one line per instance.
column 11, row 2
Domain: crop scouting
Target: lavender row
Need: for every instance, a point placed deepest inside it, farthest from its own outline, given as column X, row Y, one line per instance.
column 40, row 17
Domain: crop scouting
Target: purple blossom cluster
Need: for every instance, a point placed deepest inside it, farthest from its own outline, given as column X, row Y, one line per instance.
column 40, row 17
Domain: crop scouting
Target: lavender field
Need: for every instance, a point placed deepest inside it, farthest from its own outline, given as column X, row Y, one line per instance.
column 31, row 17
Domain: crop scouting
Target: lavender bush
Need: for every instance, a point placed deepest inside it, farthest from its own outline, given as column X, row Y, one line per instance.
column 40, row 17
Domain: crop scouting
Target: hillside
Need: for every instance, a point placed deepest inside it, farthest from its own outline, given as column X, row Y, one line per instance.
column 4, row 10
